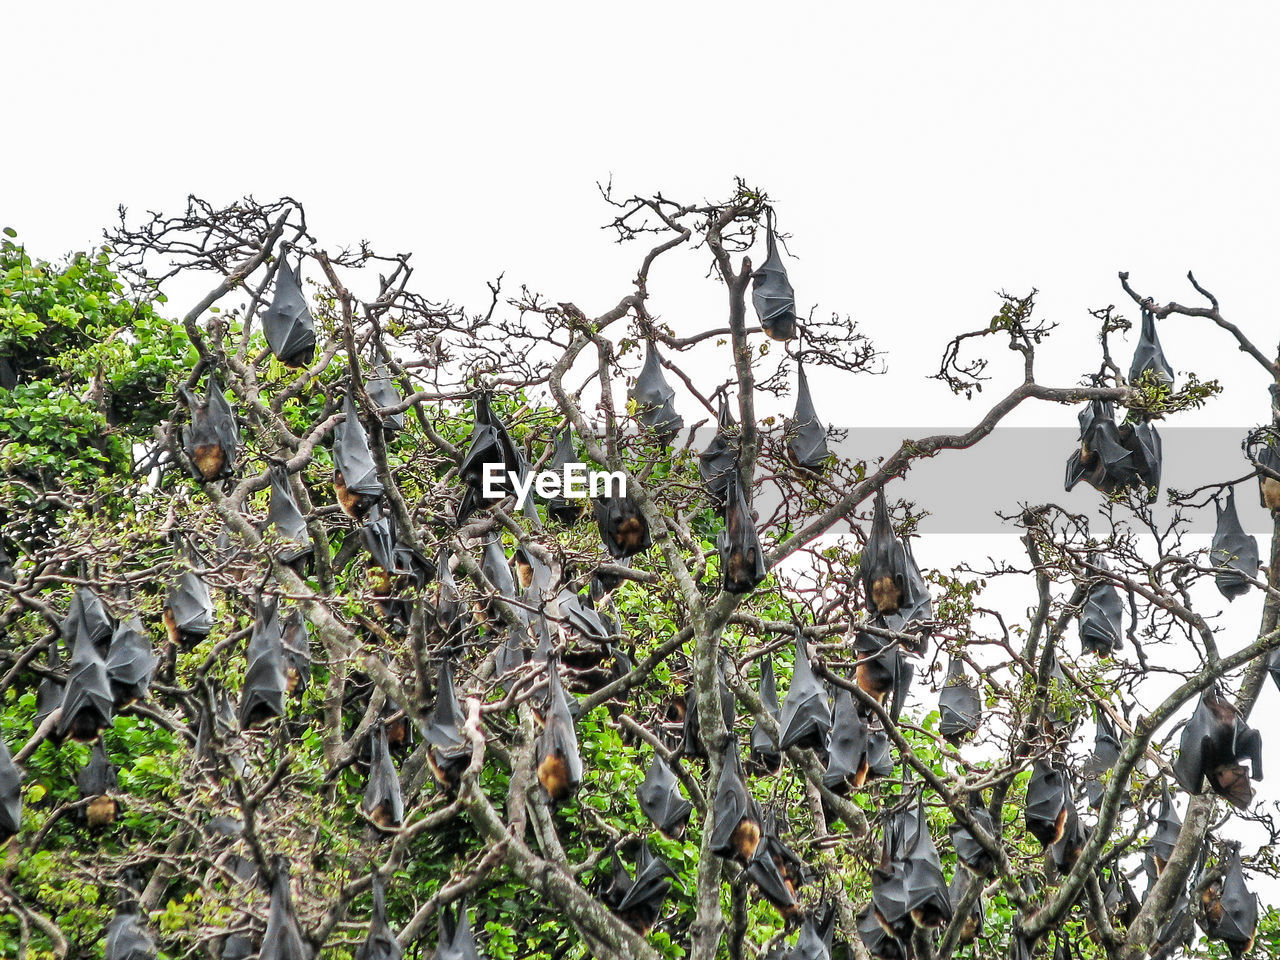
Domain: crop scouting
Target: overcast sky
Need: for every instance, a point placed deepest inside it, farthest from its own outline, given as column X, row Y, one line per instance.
column 922, row 156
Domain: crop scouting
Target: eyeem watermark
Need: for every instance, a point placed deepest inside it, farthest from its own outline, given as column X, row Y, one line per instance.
column 573, row 482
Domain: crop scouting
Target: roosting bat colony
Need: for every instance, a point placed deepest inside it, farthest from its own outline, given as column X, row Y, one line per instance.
column 916, row 790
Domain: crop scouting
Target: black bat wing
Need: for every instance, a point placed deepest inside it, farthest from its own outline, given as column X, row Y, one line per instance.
column 773, row 296
column 660, row 799
column 1102, row 620
column 382, row 792
column 719, row 460
column 1168, row 825
column 265, row 681
column 763, row 746
column 742, row 564
column 296, row 637
column 562, row 509
column 381, row 944
column 806, row 436
column 1106, row 751
column 1046, row 798
column 623, row 528
column 131, row 662
column 87, row 616
column 351, row 454
column 211, row 438
column 882, row 568
column 1148, row 357
column 126, row 938
column 456, row 939
column 284, row 514
column 847, row 746
column 191, row 605
column 959, row 704
column 1197, row 737
column 493, row 562
column 806, row 715
column 87, row 701
column 880, row 943
column 445, row 726
column 383, row 393
column 1233, row 549
column 287, row 323
column 283, row 937
column 1239, row 920
column 558, row 738
column 1147, row 453
column 654, row 398
column 732, row 804
column 653, row 880
column 379, row 539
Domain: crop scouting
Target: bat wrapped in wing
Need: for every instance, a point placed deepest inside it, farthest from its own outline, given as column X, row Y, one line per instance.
column 776, row 869
column 969, row 851
column 765, row 754
column 284, row 515
column 491, row 451
column 883, row 566
column 806, row 436
column 1233, row 550
column 211, row 438
column 641, row 904
column 282, row 939
column 661, row 802
column 806, row 714
column 265, row 680
column 719, row 461
column 565, row 510
column 87, row 700
column 381, row 943
column 287, row 323
column 1102, row 617
column 771, row 292
column 382, row 802
column 382, row 392
column 847, row 761
column 188, row 606
column 10, row 794
column 971, row 929
column 623, row 528
column 1168, row 828
column 456, row 942
column 355, row 475
column 691, row 745
column 1213, row 743
column 295, row 635
column 89, row 617
column 928, row 896
column 655, row 398
column 1106, row 751
column 447, row 750
column 880, row 943
column 127, row 938
column 959, row 704
column 1148, row 357
column 1231, row 908
column 1048, row 805
column 559, row 764
column 736, row 825
column 742, row 565
column 131, row 663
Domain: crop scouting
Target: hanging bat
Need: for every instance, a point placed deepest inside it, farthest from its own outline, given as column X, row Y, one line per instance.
column 926, row 889
column 1148, row 358
column 265, row 683
column 776, row 869
column 916, row 606
column 564, row 510
column 660, row 800
column 1106, row 751
column 1142, row 440
column 87, row 700
column 52, row 686
column 533, row 576
column 889, row 891
column 806, row 436
column 771, row 293
column 355, row 475
column 814, row 942
column 1177, row 932
column 447, row 751
column 847, row 762
column 188, row 610
column 456, row 940
column 641, row 904
column 490, row 444
column 287, row 323
column 1113, row 457
column 382, row 392
column 880, row 943
column 765, row 754
column 10, row 794
column 883, row 566
column 283, row 937
column 883, row 670
column 97, row 781
column 130, row 663
column 1065, row 711
column 719, row 461
column 1232, row 549
column 1102, row 617
column 381, row 943
column 210, row 440
column 1231, row 908
column 655, row 399
column 971, row 929
column 736, row 826
column 296, row 638
column 1168, row 828
column 1214, row 742
column 452, row 616
column 283, row 513
column 1048, row 803
column 742, row 565
column 959, row 704
column 969, row 851
column 1269, row 487
column 623, row 528
column 511, row 653
column 806, row 715
column 382, row 803
column 127, row 939
column 89, row 617
column 559, row 765
column 581, row 618
column 1066, row 852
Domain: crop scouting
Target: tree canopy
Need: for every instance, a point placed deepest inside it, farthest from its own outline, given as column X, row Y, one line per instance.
column 294, row 663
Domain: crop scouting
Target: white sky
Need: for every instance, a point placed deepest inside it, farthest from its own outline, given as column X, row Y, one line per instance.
column 922, row 155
